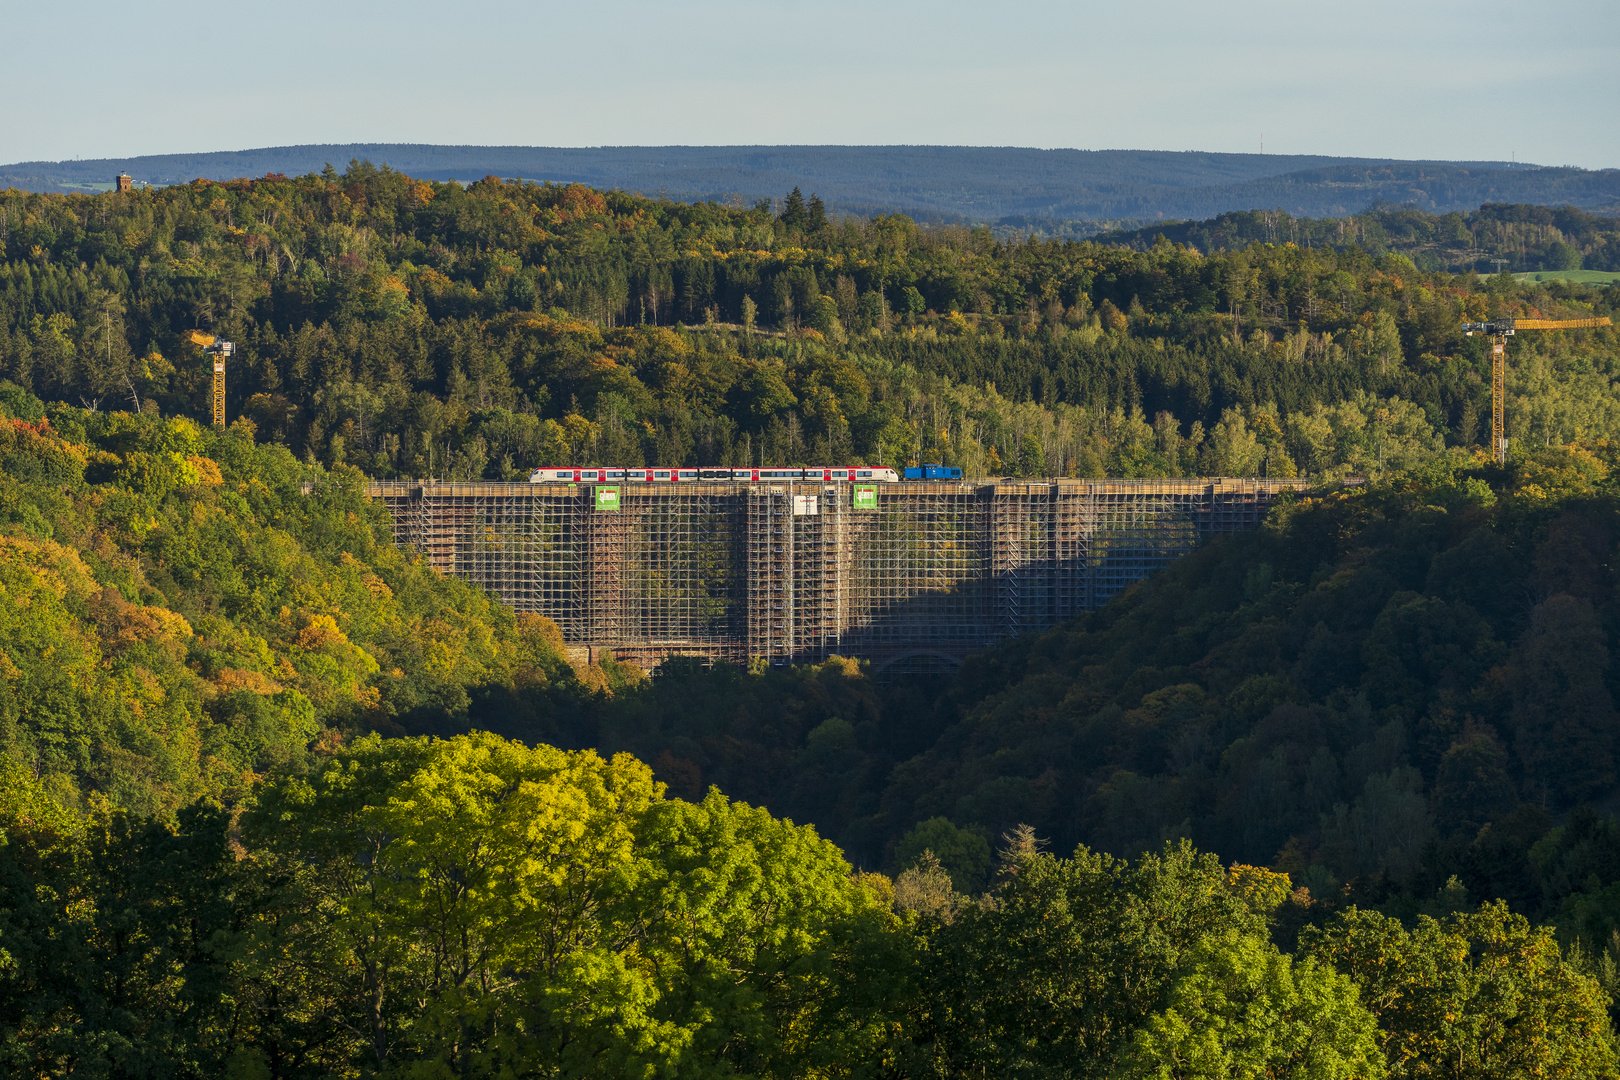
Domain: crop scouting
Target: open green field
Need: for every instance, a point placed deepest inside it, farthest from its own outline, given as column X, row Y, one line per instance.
column 1585, row 277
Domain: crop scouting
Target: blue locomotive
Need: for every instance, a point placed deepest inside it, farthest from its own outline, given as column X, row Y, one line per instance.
column 933, row 472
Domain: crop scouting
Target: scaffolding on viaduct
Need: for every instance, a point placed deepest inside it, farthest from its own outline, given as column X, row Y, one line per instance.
column 911, row 576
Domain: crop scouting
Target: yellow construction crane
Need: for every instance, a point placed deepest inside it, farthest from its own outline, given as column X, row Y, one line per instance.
column 1500, row 331
column 219, row 350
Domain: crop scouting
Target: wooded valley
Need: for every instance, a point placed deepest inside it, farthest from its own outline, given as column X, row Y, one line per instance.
column 1334, row 798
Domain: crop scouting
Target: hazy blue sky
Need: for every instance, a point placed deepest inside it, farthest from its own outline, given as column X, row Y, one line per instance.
column 1414, row 79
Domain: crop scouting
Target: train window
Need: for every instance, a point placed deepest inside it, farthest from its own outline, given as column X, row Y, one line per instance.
column 839, row 474
column 863, row 472
column 662, row 474
column 687, row 472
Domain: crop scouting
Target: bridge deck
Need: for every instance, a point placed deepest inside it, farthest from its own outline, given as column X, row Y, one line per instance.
column 795, row 572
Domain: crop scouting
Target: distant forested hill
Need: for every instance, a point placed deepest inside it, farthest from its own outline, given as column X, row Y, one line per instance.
column 1042, row 188
column 1522, row 237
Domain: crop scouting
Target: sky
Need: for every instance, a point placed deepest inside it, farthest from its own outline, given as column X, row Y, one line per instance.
column 1430, row 79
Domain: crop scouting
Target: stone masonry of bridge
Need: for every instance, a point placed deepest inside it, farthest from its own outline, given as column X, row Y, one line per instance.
column 920, row 577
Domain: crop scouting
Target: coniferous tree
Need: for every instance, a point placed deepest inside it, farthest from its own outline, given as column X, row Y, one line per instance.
column 794, row 215
column 816, row 215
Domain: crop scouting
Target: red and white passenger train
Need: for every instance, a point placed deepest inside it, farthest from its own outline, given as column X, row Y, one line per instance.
column 809, row 473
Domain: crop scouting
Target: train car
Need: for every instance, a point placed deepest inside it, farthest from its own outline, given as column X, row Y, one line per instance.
column 933, row 472
column 750, row 475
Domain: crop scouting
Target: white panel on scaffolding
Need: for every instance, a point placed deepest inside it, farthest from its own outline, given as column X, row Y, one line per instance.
column 806, row 505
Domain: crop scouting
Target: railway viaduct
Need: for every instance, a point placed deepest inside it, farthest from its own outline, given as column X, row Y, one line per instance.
column 914, row 577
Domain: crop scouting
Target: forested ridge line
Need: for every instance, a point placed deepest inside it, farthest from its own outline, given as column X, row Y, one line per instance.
column 420, row 329
column 1076, row 191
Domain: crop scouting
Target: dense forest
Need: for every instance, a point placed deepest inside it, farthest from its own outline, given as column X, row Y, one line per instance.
column 1333, row 798
column 212, row 864
column 418, row 329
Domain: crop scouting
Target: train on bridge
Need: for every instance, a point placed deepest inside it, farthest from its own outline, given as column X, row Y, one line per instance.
column 827, row 474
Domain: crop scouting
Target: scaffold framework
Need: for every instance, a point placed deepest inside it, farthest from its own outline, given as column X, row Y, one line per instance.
column 797, row 572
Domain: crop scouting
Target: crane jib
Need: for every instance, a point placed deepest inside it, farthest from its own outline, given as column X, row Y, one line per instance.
column 1559, row 324
column 1505, row 327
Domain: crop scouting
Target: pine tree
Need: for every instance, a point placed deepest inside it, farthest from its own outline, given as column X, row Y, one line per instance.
column 818, row 214
column 794, row 215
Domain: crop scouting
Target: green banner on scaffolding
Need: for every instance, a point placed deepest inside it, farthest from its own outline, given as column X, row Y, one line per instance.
column 865, row 496
column 607, row 498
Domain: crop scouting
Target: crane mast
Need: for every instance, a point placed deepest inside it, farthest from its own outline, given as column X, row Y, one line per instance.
column 219, row 350
column 1499, row 331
